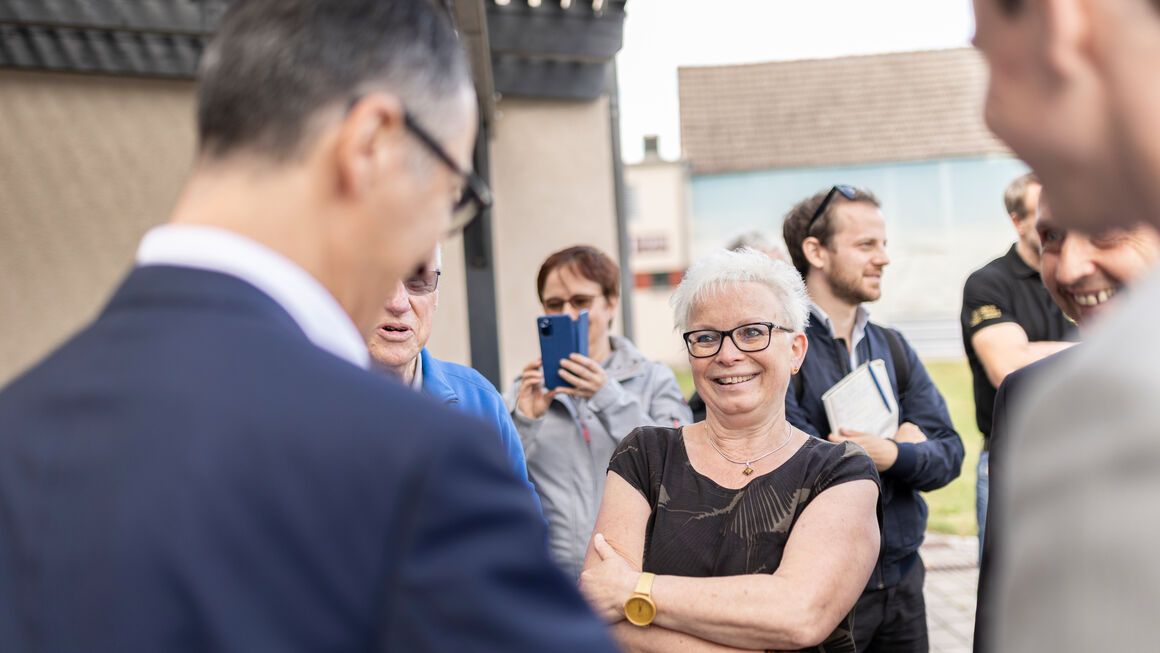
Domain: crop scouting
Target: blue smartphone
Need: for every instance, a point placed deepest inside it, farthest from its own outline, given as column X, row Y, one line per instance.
column 560, row 337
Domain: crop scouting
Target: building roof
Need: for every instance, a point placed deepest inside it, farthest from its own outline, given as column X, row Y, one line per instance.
column 842, row 111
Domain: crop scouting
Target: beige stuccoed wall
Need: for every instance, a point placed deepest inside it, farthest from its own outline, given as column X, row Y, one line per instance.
column 88, row 163
column 551, row 169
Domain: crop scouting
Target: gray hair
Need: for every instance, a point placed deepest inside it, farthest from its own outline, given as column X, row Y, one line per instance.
column 710, row 275
column 275, row 66
column 751, row 239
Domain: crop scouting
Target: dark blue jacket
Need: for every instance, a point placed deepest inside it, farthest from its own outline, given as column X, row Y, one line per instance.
column 923, row 467
column 190, row 473
column 468, row 390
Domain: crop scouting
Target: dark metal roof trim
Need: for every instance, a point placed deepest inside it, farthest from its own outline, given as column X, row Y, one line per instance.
column 99, row 51
column 168, row 16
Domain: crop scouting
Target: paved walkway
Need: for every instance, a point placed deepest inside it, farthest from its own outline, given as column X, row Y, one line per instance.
column 952, row 574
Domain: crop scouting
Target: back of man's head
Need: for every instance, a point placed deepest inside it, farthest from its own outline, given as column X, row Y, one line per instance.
column 800, row 224
column 274, row 65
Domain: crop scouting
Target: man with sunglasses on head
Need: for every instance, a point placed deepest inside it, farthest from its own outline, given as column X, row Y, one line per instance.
column 837, row 241
column 398, row 346
column 211, row 465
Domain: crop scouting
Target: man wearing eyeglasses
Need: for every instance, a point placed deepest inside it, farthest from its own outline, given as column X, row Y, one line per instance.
column 398, row 346
column 837, row 241
column 210, row 465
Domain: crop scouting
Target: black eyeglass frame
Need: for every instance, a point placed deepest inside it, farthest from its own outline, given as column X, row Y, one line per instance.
column 847, row 191
column 770, row 325
column 416, row 279
column 475, row 189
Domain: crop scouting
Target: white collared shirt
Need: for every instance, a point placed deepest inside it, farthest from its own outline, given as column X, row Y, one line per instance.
column 309, row 304
column 861, row 319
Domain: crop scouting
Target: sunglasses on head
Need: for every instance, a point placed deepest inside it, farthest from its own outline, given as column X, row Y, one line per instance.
column 849, row 192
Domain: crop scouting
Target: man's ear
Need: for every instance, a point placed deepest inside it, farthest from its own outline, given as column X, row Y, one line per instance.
column 1066, row 30
column 368, row 142
column 813, row 250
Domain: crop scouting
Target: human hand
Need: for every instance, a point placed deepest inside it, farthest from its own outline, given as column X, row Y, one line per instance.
column 909, row 433
column 883, row 451
column 531, row 399
column 609, row 583
column 585, row 375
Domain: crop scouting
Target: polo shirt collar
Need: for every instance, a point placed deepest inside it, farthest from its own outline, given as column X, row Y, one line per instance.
column 1019, row 267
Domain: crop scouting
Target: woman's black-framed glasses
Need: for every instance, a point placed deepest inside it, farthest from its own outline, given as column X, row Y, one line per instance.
column 849, row 192
column 476, row 197
column 422, row 283
column 752, row 337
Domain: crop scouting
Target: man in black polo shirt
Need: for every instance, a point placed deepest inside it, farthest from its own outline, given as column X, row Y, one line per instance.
column 1008, row 319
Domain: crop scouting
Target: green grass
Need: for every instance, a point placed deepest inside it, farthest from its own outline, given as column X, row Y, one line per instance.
column 952, row 508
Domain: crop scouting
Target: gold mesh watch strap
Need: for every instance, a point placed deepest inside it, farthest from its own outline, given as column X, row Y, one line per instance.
column 644, row 584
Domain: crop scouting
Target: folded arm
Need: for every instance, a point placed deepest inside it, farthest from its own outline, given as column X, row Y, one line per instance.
column 1003, row 348
column 797, row 606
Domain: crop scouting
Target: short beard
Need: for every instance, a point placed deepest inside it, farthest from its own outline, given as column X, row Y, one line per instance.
column 852, row 293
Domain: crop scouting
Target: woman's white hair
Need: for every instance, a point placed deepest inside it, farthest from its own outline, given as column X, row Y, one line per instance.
column 713, row 273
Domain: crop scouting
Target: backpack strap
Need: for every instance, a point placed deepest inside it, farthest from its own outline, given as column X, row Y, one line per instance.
column 897, row 354
column 901, row 362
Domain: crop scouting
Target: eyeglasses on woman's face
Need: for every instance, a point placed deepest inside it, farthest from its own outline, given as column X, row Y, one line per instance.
column 751, row 337
column 578, row 302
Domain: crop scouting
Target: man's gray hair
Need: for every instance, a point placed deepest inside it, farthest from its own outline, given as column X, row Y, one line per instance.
column 751, row 239
column 275, row 65
column 709, row 276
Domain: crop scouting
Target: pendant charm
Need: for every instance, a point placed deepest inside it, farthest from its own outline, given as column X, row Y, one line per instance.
column 747, row 471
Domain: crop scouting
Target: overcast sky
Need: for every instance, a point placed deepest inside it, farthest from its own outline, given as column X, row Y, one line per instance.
column 660, row 35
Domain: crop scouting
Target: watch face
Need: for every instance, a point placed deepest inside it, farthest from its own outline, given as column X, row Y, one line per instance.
column 639, row 610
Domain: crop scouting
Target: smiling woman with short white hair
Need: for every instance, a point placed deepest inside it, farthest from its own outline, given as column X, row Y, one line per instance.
column 740, row 532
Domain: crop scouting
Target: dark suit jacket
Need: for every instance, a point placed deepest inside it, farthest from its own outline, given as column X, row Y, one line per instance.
column 1007, row 399
column 190, row 473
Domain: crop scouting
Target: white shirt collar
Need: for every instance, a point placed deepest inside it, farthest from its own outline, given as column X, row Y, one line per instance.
column 311, row 306
column 861, row 319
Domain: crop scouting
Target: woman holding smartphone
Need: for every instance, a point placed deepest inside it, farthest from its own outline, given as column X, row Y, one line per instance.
column 569, row 433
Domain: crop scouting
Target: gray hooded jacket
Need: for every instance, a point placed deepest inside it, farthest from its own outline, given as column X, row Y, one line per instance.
column 568, row 447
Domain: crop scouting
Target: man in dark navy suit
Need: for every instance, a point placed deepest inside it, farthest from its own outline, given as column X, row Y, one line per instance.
column 209, row 465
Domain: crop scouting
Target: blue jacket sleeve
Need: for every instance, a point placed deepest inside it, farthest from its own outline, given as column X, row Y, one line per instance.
column 931, row 464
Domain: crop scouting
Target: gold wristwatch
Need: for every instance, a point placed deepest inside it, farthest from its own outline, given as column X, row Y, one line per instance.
column 639, row 609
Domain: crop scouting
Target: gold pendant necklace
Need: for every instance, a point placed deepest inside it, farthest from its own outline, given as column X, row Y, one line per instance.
column 749, row 463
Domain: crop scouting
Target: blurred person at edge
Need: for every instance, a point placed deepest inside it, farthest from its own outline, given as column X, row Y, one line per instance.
column 398, row 346
column 720, row 523
column 837, row 239
column 570, row 433
column 1008, row 320
column 1073, row 90
column 1087, row 276
column 209, row 465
